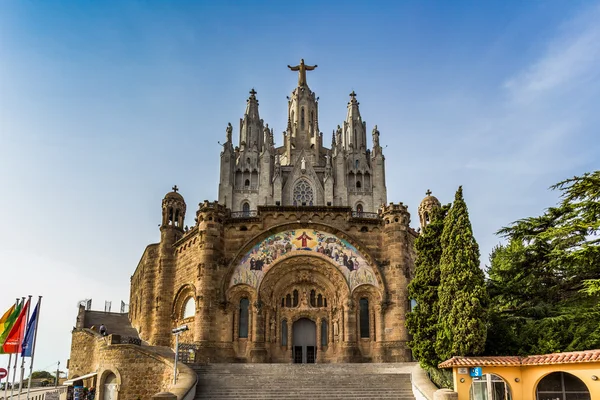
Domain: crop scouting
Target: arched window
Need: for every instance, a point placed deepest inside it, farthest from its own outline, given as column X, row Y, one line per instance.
column 313, row 298
column 364, row 318
column 295, row 298
column 302, row 118
column 356, row 164
column 491, row 387
column 323, row 332
column 284, row 332
column 563, row 386
column 288, row 300
column 359, row 207
column 303, row 193
column 243, row 328
column 282, row 302
column 189, row 308
column 320, row 300
column 358, row 184
column 246, row 209
column 247, row 183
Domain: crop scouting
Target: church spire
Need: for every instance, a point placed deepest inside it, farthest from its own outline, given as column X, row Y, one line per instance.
column 251, row 126
column 354, row 127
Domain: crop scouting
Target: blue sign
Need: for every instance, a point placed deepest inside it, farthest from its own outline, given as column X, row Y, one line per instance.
column 475, row 371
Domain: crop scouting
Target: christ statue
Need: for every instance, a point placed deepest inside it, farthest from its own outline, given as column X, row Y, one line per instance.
column 302, row 68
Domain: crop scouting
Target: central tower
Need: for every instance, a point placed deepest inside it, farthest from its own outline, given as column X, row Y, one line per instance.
column 302, row 172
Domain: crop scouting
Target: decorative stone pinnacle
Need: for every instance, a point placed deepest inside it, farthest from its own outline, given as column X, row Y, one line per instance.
column 175, row 188
column 428, row 192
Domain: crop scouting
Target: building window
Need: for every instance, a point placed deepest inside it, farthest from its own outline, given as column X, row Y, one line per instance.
column 324, row 332
column 295, row 298
column 247, row 183
column 320, row 300
column 246, row 209
column 364, row 318
column 288, row 300
column 313, row 295
column 243, row 328
column 491, row 387
column 302, row 119
column 563, row 386
column 358, row 184
column 284, row 332
column 359, row 207
column 303, row 193
column 189, row 308
column 356, row 163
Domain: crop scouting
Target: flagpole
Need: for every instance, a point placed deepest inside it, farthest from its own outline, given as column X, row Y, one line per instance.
column 37, row 321
column 16, row 358
column 9, row 360
column 20, row 347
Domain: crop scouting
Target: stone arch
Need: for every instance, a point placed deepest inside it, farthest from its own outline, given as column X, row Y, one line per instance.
column 183, row 294
column 105, row 372
column 225, row 283
column 301, row 268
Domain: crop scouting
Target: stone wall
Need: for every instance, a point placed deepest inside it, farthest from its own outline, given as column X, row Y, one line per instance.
column 141, row 371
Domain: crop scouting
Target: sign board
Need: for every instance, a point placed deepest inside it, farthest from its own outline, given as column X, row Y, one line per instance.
column 475, row 371
column 51, row 396
column 463, row 371
column 3, row 373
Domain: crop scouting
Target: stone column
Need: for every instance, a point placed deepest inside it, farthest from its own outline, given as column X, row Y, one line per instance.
column 258, row 353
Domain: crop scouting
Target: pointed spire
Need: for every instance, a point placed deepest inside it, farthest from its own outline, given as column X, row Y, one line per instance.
column 252, row 105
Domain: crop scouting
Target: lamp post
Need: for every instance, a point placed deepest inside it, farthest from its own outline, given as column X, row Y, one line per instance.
column 177, row 331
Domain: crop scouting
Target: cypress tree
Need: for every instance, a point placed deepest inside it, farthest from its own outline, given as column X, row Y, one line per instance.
column 422, row 320
column 462, row 292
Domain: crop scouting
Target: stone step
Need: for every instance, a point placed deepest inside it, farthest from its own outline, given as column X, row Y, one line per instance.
column 304, row 381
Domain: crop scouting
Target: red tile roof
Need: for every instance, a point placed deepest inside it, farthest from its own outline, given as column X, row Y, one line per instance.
column 504, row 361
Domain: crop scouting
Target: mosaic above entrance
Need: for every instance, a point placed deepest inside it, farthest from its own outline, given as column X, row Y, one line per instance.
column 255, row 264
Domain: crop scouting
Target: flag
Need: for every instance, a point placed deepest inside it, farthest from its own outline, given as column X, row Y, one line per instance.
column 5, row 318
column 12, row 344
column 8, row 324
column 29, row 336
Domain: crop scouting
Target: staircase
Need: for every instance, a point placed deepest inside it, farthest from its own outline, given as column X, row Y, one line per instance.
column 304, row 381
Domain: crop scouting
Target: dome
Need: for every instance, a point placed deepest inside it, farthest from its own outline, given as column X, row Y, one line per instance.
column 174, row 195
column 429, row 201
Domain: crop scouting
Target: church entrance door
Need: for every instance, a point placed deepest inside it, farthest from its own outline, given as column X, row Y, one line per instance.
column 304, row 341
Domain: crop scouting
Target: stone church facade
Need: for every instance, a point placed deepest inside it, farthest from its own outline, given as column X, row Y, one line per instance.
column 301, row 259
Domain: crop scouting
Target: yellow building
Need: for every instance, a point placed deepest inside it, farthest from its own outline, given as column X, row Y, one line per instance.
column 559, row 376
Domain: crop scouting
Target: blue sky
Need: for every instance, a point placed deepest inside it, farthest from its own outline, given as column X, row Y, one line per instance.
column 105, row 105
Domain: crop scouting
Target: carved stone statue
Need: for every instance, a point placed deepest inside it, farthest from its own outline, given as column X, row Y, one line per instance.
column 303, row 164
column 302, row 68
column 229, row 131
column 375, row 137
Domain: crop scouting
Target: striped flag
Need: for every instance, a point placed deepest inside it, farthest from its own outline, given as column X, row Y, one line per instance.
column 12, row 344
column 8, row 324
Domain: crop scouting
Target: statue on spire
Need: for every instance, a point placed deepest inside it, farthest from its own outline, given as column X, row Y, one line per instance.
column 302, row 68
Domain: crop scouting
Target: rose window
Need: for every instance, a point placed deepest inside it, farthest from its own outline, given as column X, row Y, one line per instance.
column 303, row 194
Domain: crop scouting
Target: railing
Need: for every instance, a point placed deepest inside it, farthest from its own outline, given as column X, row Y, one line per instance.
column 246, row 188
column 187, row 353
column 244, row 214
column 38, row 394
column 365, row 215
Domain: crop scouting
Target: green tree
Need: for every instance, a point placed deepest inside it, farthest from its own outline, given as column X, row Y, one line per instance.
column 42, row 375
column 544, row 281
column 423, row 319
column 462, row 292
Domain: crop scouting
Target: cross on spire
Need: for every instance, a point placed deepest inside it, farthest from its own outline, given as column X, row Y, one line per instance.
column 428, row 192
column 253, row 92
column 353, row 95
column 175, row 188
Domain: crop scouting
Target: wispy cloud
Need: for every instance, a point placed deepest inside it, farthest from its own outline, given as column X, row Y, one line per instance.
column 570, row 60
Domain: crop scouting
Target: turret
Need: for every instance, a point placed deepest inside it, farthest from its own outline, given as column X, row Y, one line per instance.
column 171, row 230
column 426, row 207
column 354, row 137
column 378, row 171
column 211, row 217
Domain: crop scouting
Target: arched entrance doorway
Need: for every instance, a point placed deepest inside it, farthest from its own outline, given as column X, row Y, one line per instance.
column 304, row 341
column 110, row 387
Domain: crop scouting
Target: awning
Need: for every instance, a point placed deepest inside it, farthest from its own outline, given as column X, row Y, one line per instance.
column 70, row 381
